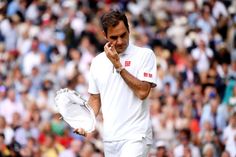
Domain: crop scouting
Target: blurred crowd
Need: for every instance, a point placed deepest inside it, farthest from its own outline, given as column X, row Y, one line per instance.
column 46, row 45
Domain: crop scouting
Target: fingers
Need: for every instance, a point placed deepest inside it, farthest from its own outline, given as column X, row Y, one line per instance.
column 112, row 54
column 80, row 131
column 109, row 49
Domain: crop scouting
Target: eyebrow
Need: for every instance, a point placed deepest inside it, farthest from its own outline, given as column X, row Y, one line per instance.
column 123, row 34
column 116, row 36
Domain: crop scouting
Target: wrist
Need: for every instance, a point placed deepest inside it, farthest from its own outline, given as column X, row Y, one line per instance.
column 119, row 69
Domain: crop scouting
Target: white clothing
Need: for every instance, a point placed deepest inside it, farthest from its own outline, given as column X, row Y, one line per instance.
column 206, row 25
column 219, row 9
column 24, row 45
column 22, row 135
column 31, row 60
column 124, row 148
column 202, row 58
column 8, row 108
column 32, row 12
column 179, row 151
column 177, row 34
column 9, row 134
column 125, row 115
column 78, row 24
column 229, row 136
column 67, row 153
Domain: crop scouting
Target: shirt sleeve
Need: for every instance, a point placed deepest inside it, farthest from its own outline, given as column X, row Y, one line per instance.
column 148, row 69
column 93, row 88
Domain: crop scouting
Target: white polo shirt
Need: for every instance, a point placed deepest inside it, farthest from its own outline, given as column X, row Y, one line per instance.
column 125, row 115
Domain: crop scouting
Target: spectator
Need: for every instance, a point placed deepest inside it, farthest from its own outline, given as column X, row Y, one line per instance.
column 209, row 150
column 30, row 149
column 26, row 131
column 161, row 149
column 87, row 150
column 73, row 150
column 186, row 147
column 229, row 135
column 225, row 154
column 189, row 75
column 4, row 151
column 10, row 105
column 211, row 113
column 202, row 56
column 206, row 22
column 6, row 131
column 219, row 12
column 9, row 32
column 32, row 58
column 50, row 147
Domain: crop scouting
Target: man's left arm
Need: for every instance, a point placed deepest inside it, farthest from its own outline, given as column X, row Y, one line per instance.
column 145, row 79
column 140, row 88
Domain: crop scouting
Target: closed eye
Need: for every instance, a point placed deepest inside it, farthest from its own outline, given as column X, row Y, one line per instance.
column 114, row 37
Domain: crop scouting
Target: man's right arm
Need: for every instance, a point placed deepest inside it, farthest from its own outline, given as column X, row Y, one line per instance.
column 95, row 103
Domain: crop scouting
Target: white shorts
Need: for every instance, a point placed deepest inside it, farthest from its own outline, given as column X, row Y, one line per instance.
column 127, row 148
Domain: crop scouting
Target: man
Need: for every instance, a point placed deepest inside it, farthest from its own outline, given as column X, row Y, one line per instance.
column 186, row 147
column 73, row 150
column 229, row 135
column 161, row 149
column 120, row 80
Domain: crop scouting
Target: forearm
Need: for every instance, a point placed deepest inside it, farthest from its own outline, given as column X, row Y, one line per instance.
column 140, row 88
column 95, row 103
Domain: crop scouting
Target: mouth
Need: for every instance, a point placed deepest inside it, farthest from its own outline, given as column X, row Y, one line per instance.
column 120, row 47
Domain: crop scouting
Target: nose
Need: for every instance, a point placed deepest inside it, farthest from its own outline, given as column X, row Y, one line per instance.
column 119, row 41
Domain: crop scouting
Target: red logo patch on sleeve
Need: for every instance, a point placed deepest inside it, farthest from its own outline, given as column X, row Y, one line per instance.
column 145, row 74
column 127, row 63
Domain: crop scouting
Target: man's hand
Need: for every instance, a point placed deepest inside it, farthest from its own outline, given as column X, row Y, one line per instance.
column 112, row 55
column 81, row 132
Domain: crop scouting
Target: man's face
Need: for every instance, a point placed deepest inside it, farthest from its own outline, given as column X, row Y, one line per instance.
column 184, row 139
column 161, row 151
column 233, row 121
column 118, row 36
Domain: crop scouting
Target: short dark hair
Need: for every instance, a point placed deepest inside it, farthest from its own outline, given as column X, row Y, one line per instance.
column 186, row 132
column 112, row 19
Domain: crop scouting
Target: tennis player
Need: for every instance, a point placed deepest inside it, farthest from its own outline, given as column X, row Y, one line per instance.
column 120, row 80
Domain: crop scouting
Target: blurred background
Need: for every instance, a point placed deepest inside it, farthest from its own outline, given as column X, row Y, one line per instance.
column 46, row 45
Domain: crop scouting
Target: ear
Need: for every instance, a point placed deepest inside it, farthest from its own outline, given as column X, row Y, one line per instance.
column 104, row 35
